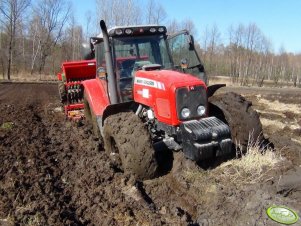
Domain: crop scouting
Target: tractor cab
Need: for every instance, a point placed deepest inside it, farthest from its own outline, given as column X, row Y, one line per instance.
column 148, row 47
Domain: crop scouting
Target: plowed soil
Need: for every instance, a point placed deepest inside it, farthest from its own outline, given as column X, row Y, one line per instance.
column 53, row 172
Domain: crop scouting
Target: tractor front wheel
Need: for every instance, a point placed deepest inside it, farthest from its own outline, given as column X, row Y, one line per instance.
column 128, row 144
column 243, row 120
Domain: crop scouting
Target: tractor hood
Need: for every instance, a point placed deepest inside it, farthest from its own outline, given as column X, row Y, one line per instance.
column 167, row 92
column 165, row 79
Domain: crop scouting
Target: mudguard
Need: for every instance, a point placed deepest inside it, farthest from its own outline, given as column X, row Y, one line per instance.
column 96, row 94
column 120, row 107
column 212, row 89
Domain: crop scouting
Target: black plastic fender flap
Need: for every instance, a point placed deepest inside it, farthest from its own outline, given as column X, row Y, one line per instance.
column 213, row 88
column 205, row 138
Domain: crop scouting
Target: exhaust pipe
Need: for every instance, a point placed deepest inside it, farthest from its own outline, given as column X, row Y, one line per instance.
column 112, row 88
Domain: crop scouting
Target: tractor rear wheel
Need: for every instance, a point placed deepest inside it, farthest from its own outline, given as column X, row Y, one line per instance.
column 91, row 119
column 62, row 92
column 243, row 120
column 128, row 143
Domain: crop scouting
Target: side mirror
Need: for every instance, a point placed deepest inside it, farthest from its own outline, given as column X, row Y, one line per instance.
column 87, row 51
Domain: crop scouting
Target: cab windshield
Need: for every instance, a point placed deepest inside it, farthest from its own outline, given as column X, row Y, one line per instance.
column 132, row 53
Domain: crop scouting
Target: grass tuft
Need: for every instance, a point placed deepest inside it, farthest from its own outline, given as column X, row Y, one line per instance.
column 252, row 167
column 7, row 126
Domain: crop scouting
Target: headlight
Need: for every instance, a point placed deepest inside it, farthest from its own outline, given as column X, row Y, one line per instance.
column 118, row 31
column 201, row 110
column 185, row 113
column 128, row 31
column 161, row 29
column 152, row 30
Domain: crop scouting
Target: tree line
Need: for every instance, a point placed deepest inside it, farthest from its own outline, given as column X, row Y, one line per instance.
column 31, row 34
column 248, row 58
column 36, row 36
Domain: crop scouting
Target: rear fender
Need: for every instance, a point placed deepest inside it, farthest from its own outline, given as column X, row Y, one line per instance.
column 120, row 107
column 96, row 95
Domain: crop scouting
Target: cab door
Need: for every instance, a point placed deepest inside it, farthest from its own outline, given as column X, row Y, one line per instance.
column 184, row 55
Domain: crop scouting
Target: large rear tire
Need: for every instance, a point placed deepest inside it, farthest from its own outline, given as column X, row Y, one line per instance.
column 128, row 143
column 243, row 120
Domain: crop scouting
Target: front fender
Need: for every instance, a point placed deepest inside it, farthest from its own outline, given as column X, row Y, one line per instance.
column 213, row 88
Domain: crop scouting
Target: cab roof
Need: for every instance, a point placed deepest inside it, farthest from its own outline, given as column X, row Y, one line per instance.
column 135, row 30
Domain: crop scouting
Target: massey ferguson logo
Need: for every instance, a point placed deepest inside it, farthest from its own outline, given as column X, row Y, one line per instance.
column 146, row 82
column 149, row 83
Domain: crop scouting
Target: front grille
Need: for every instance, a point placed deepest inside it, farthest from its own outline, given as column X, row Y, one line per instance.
column 191, row 98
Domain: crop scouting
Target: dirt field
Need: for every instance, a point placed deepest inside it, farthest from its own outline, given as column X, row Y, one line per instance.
column 53, row 172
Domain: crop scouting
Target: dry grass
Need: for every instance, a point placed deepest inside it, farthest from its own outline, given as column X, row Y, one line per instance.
column 215, row 79
column 34, row 220
column 27, row 77
column 34, row 77
column 276, row 106
column 275, row 124
column 273, row 114
column 220, row 80
column 229, row 82
column 296, row 140
column 198, row 178
column 251, row 168
column 278, row 109
column 123, row 218
column 7, row 221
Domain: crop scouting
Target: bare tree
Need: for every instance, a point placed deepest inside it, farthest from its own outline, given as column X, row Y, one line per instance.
column 2, row 55
column 263, row 61
column 73, row 38
column 173, row 26
column 35, row 33
column 12, row 11
column 155, row 13
column 235, row 51
column 118, row 12
column 296, row 69
column 89, row 29
column 189, row 25
column 51, row 16
column 213, row 37
column 249, row 54
column 129, row 12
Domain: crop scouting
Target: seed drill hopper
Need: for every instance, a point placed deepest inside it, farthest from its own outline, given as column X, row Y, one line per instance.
column 70, row 86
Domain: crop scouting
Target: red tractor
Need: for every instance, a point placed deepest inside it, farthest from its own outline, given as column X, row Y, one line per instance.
column 150, row 90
